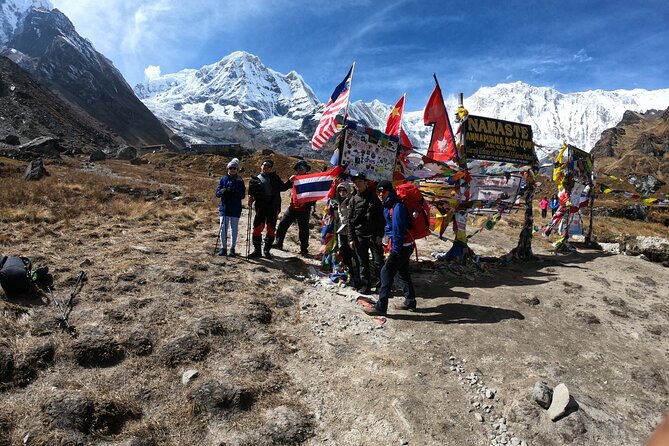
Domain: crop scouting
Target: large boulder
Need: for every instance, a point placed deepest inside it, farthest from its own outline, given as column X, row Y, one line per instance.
column 126, row 153
column 35, row 170
column 44, row 145
column 97, row 155
column 12, row 140
column 645, row 184
column 655, row 248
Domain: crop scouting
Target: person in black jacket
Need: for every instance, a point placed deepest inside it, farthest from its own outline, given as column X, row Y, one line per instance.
column 365, row 233
column 265, row 191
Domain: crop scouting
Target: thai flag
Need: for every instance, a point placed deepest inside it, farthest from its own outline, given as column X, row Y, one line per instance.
column 314, row 186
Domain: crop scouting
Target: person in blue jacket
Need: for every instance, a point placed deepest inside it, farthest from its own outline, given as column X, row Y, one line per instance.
column 401, row 247
column 231, row 190
column 554, row 204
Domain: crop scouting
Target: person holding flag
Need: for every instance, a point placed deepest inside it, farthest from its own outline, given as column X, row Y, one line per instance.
column 296, row 212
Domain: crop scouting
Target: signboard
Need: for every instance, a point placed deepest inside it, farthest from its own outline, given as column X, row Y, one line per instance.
column 495, row 189
column 369, row 152
column 497, row 140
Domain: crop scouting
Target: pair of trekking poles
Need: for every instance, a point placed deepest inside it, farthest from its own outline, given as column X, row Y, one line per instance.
column 248, row 232
column 64, row 310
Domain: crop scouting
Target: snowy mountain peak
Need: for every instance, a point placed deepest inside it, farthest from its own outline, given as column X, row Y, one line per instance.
column 577, row 118
column 12, row 12
column 239, row 87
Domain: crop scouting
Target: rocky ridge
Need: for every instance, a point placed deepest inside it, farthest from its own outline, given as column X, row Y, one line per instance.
column 47, row 45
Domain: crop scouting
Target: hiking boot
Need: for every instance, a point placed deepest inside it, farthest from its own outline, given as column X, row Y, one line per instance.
column 304, row 253
column 255, row 254
column 232, row 253
column 373, row 311
column 404, row 306
column 364, row 290
column 268, row 255
column 222, row 252
column 278, row 245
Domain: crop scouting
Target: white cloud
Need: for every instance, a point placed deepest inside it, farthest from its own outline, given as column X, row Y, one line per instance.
column 152, row 72
column 169, row 33
column 582, row 56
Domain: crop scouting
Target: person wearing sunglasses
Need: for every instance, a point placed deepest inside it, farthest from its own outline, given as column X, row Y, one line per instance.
column 265, row 192
column 231, row 190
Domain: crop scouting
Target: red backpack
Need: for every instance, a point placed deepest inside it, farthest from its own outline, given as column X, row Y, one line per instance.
column 419, row 210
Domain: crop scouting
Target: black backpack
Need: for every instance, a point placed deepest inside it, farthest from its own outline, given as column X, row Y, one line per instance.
column 15, row 275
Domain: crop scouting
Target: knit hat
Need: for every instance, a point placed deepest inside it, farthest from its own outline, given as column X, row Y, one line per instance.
column 359, row 176
column 233, row 163
column 267, row 161
column 385, row 185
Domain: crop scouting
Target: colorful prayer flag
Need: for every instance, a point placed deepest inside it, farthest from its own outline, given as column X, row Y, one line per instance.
column 327, row 126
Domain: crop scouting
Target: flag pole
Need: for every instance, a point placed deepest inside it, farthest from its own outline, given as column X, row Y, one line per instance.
column 404, row 104
column 348, row 101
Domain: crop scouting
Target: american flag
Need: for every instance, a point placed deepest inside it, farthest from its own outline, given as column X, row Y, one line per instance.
column 327, row 126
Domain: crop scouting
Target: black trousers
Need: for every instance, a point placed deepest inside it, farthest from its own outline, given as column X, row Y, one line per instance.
column 265, row 218
column 290, row 217
column 363, row 247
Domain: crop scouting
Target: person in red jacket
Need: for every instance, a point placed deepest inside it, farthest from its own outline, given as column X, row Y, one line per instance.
column 543, row 204
column 296, row 213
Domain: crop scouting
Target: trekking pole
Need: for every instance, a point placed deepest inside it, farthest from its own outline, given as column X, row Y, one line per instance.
column 62, row 320
column 218, row 236
column 81, row 278
column 248, row 231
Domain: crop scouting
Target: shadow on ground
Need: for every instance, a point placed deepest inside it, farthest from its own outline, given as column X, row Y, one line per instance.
column 457, row 313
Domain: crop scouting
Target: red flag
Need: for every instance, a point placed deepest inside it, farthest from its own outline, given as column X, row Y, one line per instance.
column 404, row 139
column 442, row 143
column 394, row 123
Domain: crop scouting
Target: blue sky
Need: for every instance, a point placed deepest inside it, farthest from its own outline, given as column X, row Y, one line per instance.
column 570, row 45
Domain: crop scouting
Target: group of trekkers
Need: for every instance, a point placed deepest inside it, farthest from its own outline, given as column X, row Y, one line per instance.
column 553, row 204
column 369, row 217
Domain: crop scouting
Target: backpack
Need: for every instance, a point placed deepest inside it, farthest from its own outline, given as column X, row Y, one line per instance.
column 15, row 275
column 419, row 210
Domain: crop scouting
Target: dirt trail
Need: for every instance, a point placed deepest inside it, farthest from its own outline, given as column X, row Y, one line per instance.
column 305, row 365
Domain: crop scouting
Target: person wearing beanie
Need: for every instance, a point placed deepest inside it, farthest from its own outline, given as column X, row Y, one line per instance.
column 296, row 213
column 365, row 234
column 265, row 192
column 231, row 190
column 397, row 220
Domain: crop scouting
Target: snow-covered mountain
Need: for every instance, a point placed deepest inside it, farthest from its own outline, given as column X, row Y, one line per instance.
column 237, row 88
column 12, row 13
column 240, row 99
column 578, row 118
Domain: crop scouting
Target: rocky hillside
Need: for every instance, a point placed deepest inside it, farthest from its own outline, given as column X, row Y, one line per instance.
column 28, row 111
column 49, row 48
column 638, row 145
